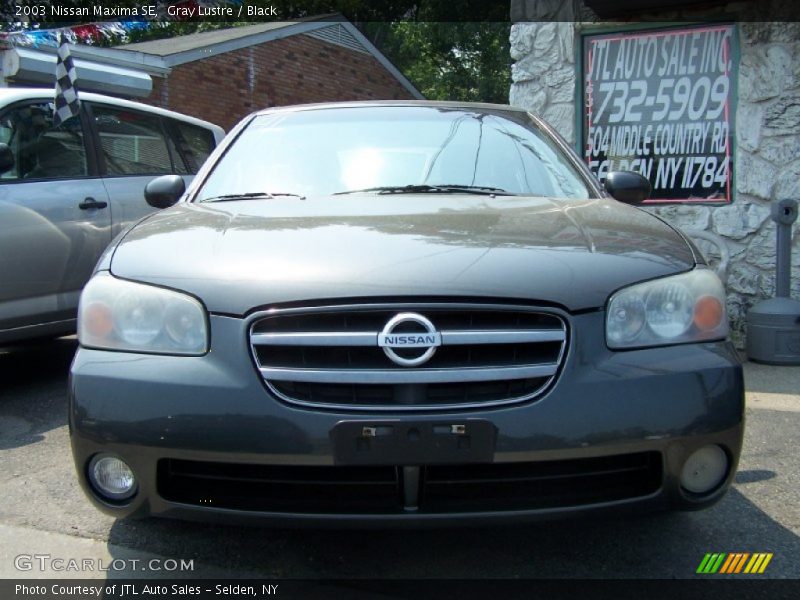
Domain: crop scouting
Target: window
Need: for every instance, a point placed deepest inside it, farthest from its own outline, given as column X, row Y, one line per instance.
column 195, row 144
column 132, row 143
column 326, row 151
column 40, row 150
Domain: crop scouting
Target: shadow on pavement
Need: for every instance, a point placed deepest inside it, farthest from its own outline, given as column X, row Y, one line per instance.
column 33, row 401
column 668, row 545
column 33, row 395
column 754, row 475
column 41, row 362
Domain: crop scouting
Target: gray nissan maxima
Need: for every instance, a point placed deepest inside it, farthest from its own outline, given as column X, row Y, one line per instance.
column 402, row 312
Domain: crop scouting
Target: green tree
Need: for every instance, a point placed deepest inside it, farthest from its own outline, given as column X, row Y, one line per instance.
column 467, row 61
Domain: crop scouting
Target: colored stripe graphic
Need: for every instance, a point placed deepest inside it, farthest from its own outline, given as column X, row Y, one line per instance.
column 735, row 562
column 755, row 562
column 741, row 562
column 767, row 558
column 711, row 563
column 703, row 564
column 725, row 563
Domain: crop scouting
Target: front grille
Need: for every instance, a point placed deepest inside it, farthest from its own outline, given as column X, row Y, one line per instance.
column 379, row 490
column 302, row 489
column 330, row 357
column 521, row 486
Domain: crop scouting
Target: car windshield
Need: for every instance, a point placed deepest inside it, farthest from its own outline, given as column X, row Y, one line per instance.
column 396, row 149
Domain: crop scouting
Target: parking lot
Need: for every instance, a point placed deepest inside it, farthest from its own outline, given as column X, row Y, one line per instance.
column 42, row 507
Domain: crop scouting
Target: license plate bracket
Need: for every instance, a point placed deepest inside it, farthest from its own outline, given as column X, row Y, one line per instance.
column 396, row 442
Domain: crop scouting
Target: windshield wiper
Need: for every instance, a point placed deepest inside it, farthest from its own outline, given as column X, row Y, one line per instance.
column 251, row 196
column 432, row 189
column 476, row 189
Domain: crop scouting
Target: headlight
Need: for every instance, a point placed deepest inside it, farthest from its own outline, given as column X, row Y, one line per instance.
column 121, row 315
column 683, row 308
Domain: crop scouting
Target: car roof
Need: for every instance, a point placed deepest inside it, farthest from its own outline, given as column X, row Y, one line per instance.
column 9, row 95
column 378, row 103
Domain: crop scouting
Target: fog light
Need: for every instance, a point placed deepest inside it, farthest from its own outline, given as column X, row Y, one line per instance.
column 111, row 477
column 704, row 470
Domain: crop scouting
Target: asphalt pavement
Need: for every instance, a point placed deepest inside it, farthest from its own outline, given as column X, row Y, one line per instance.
column 44, row 512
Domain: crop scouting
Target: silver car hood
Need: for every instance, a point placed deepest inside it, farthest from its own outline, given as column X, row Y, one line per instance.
column 237, row 256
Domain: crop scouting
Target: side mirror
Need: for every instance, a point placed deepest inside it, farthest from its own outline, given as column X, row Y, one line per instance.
column 164, row 191
column 6, row 158
column 628, row 187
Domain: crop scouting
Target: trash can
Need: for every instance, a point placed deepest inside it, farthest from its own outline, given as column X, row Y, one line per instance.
column 773, row 326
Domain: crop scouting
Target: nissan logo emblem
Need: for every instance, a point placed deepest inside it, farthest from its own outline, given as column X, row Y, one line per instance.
column 427, row 340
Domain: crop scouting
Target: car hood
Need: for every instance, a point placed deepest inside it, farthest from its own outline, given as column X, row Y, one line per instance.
column 240, row 255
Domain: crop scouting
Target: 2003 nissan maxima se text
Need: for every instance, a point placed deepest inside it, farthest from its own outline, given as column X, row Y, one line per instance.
column 402, row 313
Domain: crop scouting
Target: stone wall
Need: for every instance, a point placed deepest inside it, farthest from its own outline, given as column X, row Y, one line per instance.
column 543, row 76
column 767, row 150
column 767, row 161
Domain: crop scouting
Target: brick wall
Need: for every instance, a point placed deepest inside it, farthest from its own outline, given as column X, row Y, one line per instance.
column 294, row 70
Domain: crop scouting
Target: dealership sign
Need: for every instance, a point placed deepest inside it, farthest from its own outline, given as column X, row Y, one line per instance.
column 659, row 103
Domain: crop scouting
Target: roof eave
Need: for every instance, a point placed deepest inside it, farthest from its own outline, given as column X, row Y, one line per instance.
column 147, row 63
column 297, row 28
column 213, row 49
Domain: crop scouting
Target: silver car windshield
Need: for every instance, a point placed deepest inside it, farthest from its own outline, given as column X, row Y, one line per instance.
column 394, row 148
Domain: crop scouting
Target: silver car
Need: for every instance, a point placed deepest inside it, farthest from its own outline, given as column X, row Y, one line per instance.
column 66, row 192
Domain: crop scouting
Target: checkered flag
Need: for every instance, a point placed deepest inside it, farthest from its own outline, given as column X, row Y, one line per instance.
column 67, row 105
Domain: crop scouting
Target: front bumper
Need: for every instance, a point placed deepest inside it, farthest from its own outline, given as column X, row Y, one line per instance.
column 616, row 425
